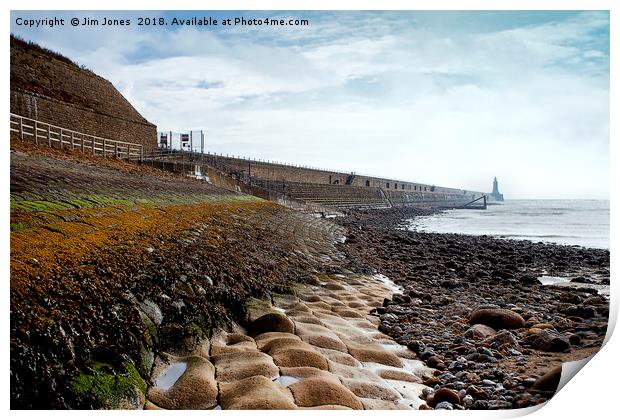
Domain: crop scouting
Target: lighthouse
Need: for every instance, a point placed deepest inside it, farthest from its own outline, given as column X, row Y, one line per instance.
column 496, row 195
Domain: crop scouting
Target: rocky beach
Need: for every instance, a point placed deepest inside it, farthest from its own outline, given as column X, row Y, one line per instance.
column 138, row 288
column 474, row 309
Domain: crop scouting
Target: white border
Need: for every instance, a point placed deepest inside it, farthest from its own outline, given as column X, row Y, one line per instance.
column 592, row 394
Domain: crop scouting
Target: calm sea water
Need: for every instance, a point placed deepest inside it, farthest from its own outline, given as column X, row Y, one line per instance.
column 566, row 222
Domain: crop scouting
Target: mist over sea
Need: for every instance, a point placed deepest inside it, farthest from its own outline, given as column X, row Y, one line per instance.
column 567, row 222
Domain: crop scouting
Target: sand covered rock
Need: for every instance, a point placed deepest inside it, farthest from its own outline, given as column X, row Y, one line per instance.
column 372, row 404
column 150, row 406
column 497, row 318
column 296, row 357
column 271, row 322
column 371, row 389
column 236, row 366
column 276, row 345
column 255, row 393
column 194, row 389
column 327, row 407
column 306, row 319
column 320, row 391
column 325, row 341
column 306, row 372
column 232, row 343
column 351, row 372
column 263, row 339
column 373, row 353
column 339, row 357
column 398, row 375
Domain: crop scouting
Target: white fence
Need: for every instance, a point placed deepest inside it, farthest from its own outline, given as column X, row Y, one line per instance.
column 54, row 136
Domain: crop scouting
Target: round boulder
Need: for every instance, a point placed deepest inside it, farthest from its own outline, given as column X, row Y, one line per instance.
column 497, row 318
column 444, row 395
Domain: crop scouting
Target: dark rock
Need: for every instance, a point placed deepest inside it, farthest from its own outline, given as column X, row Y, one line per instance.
column 499, row 405
column 480, row 405
column 476, row 392
column 503, row 338
column 444, row 394
column 444, row 405
column 479, row 332
column 549, row 382
column 549, row 340
column 433, row 361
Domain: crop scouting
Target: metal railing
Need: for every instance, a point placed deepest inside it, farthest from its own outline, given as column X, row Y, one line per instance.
column 54, row 136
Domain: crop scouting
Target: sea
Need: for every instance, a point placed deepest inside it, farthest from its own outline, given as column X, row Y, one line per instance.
column 566, row 222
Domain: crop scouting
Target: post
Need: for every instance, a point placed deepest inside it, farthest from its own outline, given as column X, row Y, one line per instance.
column 93, row 144
column 141, row 153
column 36, row 133
column 49, row 136
column 170, row 147
column 72, row 142
column 128, row 153
column 104, row 145
column 191, row 142
column 202, row 143
column 21, row 128
column 61, row 138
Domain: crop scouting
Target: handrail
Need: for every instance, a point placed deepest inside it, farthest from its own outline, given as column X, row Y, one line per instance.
column 39, row 130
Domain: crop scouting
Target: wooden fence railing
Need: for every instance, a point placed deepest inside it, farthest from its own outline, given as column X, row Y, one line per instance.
column 43, row 133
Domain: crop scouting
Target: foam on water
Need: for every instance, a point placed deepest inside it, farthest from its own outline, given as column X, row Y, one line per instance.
column 565, row 222
column 286, row 380
column 393, row 287
column 602, row 289
column 547, row 280
column 171, row 375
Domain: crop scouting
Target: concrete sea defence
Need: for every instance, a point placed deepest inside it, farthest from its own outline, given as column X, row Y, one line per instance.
column 330, row 189
column 113, row 262
column 133, row 287
column 319, row 349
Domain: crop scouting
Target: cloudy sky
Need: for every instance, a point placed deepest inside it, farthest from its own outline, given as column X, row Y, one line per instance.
column 448, row 98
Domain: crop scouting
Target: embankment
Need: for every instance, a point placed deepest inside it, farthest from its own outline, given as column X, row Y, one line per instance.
column 112, row 262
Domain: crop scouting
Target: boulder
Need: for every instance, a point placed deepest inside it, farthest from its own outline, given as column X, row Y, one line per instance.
column 548, row 340
column 444, row 394
column 497, row 318
column 479, row 332
column 503, row 337
column 549, row 381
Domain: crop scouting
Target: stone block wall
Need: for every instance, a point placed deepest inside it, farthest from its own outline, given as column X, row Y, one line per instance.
column 50, row 88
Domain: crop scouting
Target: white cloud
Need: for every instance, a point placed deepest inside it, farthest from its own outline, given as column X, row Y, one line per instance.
column 390, row 97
